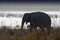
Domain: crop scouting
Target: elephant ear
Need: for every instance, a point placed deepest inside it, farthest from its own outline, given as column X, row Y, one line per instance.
column 27, row 17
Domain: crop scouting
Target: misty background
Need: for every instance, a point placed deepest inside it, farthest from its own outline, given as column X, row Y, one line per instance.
column 14, row 18
column 11, row 13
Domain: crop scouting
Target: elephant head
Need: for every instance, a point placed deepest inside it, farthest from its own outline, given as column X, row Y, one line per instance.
column 26, row 18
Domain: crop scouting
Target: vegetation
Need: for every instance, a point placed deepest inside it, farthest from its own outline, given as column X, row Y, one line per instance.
column 25, row 34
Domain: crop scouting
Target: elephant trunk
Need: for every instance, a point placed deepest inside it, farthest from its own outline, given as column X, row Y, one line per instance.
column 22, row 24
column 23, row 20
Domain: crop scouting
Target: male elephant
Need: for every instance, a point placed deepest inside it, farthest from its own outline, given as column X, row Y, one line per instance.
column 37, row 19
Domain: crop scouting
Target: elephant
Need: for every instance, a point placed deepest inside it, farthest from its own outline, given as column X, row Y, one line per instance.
column 37, row 19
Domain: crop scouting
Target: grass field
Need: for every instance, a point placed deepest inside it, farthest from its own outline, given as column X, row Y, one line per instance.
column 25, row 34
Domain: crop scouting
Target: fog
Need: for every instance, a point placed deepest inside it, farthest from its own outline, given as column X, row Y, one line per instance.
column 16, row 18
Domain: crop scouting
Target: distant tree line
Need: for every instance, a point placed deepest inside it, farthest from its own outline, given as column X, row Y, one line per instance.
column 10, row 15
column 21, row 15
column 54, row 16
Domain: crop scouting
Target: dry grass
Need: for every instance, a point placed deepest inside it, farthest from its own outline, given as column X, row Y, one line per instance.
column 17, row 34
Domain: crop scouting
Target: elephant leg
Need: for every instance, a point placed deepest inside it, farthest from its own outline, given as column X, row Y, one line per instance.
column 49, row 30
column 30, row 28
column 43, row 30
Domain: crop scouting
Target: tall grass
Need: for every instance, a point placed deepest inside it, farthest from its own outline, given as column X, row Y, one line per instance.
column 25, row 34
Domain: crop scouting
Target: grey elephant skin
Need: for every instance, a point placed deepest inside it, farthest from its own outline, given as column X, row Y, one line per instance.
column 37, row 19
